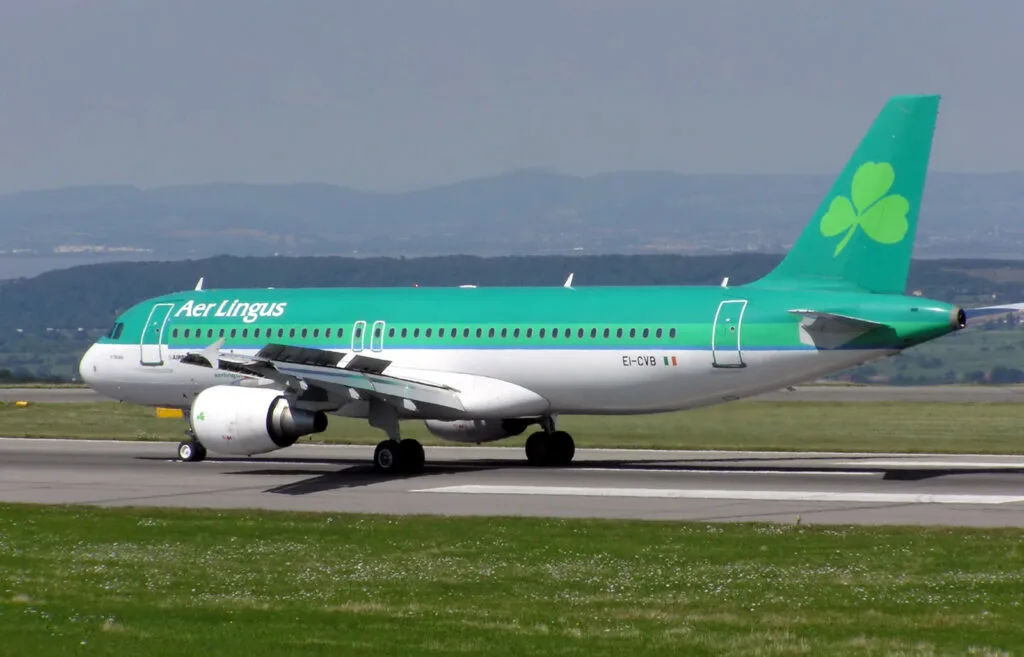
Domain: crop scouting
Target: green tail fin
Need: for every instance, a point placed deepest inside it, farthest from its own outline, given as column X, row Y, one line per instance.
column 863, row 232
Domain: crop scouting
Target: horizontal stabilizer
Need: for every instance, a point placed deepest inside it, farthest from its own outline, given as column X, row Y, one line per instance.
column 847, row 321
column 987, row 311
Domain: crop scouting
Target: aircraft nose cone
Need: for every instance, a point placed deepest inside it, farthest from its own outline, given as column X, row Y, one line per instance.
column 87, row 366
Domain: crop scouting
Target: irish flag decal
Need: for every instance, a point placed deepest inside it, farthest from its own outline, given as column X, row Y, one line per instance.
column 670, row 360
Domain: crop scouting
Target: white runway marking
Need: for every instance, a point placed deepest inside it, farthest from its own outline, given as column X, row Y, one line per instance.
column 926, row 463
column 719, row 470
column 707, row 494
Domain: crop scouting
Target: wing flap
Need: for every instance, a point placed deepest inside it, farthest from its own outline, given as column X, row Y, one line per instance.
column 338, row 372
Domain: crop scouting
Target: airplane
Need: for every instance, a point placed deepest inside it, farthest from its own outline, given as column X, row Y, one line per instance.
column 254, row 370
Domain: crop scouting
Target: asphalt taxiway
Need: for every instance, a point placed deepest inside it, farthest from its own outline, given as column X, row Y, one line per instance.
column 704, row 486
column 822, row 393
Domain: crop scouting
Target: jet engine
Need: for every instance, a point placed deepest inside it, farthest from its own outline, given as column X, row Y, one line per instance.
column 246, row 421
column 476, row 431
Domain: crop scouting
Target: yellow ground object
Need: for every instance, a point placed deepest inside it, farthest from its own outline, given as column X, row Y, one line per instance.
column 21, row 403
column 169, row 412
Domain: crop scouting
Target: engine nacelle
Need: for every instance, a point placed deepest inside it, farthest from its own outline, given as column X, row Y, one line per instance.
column 246, row 421
column 476, row 431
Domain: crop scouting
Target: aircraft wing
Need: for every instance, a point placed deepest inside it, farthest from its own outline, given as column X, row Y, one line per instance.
column 301, row 367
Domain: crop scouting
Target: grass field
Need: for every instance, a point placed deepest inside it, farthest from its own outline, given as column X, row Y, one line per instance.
column 158, row 582
column 802, row 426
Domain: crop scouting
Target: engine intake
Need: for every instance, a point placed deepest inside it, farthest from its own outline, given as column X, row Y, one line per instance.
column 246, row 421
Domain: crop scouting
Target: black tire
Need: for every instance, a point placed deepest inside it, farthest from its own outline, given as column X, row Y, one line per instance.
column 537, row 449
column 191, row 451
column 564, row 448
column 387, row 457
column 412, row 456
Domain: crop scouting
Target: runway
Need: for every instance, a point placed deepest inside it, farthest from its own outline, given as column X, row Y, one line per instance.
column 812, row 488
column 822, row 393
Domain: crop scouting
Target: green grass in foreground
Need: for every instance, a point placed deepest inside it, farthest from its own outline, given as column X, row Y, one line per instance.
column 852, row 426
column 159, row 582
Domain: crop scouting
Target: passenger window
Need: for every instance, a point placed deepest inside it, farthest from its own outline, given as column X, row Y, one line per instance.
column 280, row 333
column 606, row 332
column 593, row 333
column 233, row 332
column 440, row 332
column 316, row 333
column 618, row 333
column 428, row 332
column 376, row 332
column 579, row 334
column 554, row 333
column 490, row 333
column 455, row 332
column 174, row 333
column 209, row 333
column 515, row 333
column 291, row 333
column 391, row 333
column 305, row 332
column 568, row 333
column 529, row 332
column 416, row 333
column 479, row 332
column 671, row 333
column 221, row 335
column 504, row 332
column 540, row 333
column 657, row 333
column 327, row 333
column 632, row 332
column 256, row 333
column 245, row 333
column 359, row 332
column 647, row 332
column 405, row 332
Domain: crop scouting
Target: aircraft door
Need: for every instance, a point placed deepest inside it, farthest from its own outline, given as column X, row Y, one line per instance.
column 377, row 336
column 358, row 335
column 726, row 348
column 151, row 341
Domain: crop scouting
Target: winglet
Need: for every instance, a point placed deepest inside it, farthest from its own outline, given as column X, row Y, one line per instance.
column 212, row 353
column 199, row 285
column 568, row 281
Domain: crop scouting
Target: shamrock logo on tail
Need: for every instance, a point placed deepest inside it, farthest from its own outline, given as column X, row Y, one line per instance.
column 882, row 218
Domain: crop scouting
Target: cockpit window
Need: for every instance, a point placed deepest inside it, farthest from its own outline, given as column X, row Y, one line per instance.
column 115, row 331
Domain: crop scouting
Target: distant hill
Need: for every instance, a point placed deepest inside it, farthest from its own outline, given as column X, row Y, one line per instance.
column 527, row 213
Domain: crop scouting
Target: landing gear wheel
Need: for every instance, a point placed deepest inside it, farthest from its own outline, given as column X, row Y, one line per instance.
column 387, row 457
column 537, row 448
column 412, row 457
column 550, row 449
column 191, row 451
column 564, row 448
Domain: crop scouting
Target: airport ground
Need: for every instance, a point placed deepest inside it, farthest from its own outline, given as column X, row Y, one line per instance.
column 115, row 547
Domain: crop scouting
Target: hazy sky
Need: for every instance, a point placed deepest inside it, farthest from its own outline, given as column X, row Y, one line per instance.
column 396, row 95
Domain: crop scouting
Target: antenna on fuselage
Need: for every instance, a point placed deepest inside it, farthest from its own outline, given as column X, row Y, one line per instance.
column 725, row 282
column 568, row 281
column 199, row 285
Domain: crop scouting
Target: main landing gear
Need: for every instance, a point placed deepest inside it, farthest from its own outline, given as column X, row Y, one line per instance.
column 394, row 455
column 399, row 456
column 550, row 449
